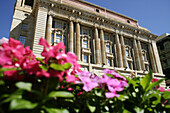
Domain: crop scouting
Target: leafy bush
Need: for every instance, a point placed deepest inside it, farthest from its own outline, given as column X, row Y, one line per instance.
column 55, row 84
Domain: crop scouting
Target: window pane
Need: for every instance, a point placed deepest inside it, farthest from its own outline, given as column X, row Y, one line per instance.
column 107, row 48
column 143, row 56
column 59, row 25
column 52, row 38
column 53, row 24
column 22, row 39
column 85, row 59
column 85, row 44
column 106, row 37
column 127, row 53
column 64, row 40
column 108, row 62
column 58, row 38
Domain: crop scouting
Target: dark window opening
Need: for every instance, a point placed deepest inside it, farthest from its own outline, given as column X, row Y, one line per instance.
column 97, row 10
column 29, row 2
column 128, row 21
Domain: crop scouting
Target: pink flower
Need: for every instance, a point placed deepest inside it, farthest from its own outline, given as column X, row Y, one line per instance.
column 111, row 94
column 154, row 79
column 161, row 89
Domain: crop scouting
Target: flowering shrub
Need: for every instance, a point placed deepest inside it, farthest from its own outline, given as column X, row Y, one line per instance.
column 55, row 84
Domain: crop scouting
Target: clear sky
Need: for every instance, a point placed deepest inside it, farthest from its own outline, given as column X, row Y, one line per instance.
column 151, row 14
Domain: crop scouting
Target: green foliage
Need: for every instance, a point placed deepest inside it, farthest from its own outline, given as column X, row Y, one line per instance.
column 48, row 95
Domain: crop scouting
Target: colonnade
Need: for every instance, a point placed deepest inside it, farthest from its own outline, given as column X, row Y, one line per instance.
column 100, row 54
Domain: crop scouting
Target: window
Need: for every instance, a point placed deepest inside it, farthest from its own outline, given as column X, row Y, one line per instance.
column 85, row 44
column 97, row 10
column 29, row 2
column 58, row 38
column 52, row 38
column 128, row 21
column 109, row 62
column 127, row 53
column 85, row 31
column 22, row 39
column 107, row 48
column 24, row 26
column 85, row 59
column 59, row 32
column 129, row 64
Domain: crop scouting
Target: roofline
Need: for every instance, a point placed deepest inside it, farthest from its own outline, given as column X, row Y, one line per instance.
column 162, row 36
column 107, row 10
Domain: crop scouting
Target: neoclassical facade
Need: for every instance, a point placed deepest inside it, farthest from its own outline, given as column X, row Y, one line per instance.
column 99, row 37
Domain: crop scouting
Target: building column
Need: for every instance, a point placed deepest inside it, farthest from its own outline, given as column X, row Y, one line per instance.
column 97, row 48
column 157, row 59
column 119, row 52
column 152, row 58
column 140, row 56
column 23, row 2
column 103, row 50
column 49, row 26
column 136, row 55
column 123, row 51
column 71, row 44
column 78, row 41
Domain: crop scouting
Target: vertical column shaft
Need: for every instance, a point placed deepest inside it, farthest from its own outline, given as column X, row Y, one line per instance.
column 78, row 41
column 123, row 51
column 49, row 26
column 103, row 51
column 119, row 52
column 71, row 47
column 97, row 51
column 137, row 58
column 140, row 55
column 157, row 59
column 23, row 2
column 152, row 58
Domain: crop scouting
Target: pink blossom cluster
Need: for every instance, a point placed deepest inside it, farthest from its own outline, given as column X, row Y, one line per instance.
column 161, row 89
column 14, row 55
column 110, row 80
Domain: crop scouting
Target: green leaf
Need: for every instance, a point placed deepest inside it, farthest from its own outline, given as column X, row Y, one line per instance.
column 166, row 95
column 154, row 84
column 24, row 86
column 15, row 95
column 8, row 69
column 146, row 80
column 2, row 82
column 126, row 111
column 57, row 67
column 91, row 108
column 18, row 104
column 167, row 106
column 44, row 67
column 139, row 110
column 61, row 94
column 67, row 65
column 55, row 110
column 41, row 60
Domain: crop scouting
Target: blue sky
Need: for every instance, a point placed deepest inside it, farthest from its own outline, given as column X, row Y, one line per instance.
column 151, row 14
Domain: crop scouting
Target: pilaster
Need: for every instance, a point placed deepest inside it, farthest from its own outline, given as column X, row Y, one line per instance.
column 71, row 43
column 78, row 41
column 103, row 51
column 123, row 51
column 152, row 58
column 156, row 55
column 140, row 56
column 119, row 51
column 48, row 31
column 97, row 48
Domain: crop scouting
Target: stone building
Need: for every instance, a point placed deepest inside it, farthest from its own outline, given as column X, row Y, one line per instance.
column 101, row 38
column 163, row 44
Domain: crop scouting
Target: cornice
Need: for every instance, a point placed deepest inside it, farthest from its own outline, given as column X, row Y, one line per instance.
column 79, row 12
